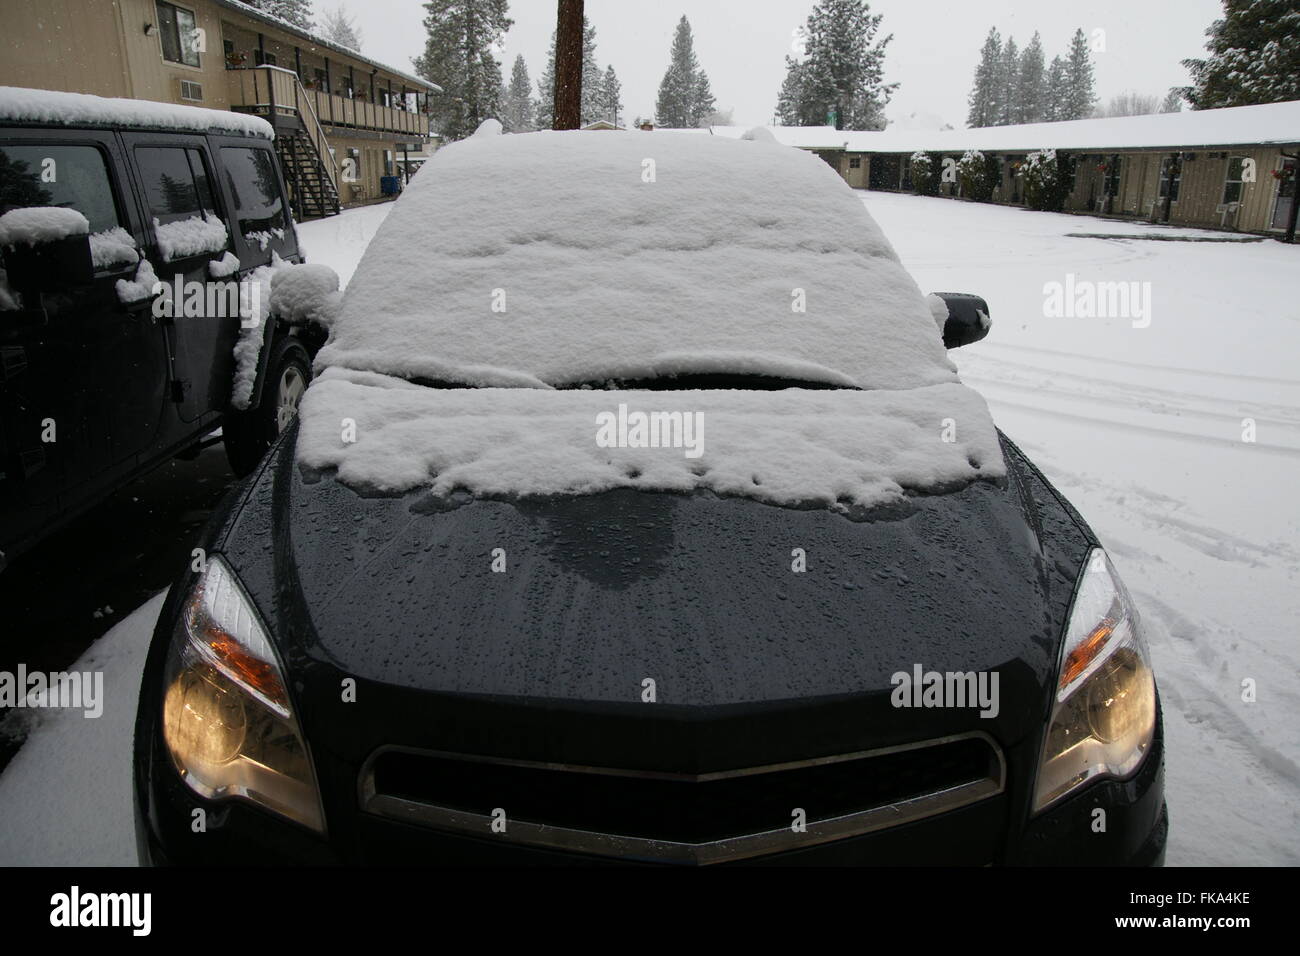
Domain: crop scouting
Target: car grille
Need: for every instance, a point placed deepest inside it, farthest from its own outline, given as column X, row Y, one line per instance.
column 683, row 818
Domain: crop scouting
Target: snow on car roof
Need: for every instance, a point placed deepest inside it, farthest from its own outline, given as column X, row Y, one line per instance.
column 558, row 258
column 51, row 108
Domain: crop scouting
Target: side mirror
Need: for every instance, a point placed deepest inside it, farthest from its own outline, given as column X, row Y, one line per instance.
column 968, row 318
column 49, row 266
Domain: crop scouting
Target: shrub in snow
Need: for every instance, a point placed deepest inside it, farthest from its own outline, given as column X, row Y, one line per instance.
column 34, row 225
column 1049, row 179
column 927, row 173
column 980, row 175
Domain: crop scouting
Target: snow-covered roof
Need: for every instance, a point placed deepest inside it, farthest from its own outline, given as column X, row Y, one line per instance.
column 292, row 28
column 1270, row 124
column 52, row 108
column 555, row 258
column 804, row 137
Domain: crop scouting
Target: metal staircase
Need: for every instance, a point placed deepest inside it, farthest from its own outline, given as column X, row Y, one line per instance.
column 276, row 94
column 312, row 191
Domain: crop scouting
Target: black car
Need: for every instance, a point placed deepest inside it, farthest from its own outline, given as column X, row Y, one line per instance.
column 101, row 379
column 465, row 612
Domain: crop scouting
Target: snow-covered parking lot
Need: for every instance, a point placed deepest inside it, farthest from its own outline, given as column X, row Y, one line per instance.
column 1138, row 420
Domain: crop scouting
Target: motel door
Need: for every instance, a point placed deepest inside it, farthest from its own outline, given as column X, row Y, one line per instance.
column 1285, row 197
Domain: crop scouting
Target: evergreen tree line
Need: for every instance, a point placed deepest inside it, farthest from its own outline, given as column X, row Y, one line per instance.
column 459, row 57
column 1012, row 86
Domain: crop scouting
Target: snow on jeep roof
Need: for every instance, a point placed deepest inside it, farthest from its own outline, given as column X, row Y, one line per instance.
column 558, row 258
column 50, row 108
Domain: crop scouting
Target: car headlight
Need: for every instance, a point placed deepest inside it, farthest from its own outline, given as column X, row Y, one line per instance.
column 227, row 720
column 1104, row 710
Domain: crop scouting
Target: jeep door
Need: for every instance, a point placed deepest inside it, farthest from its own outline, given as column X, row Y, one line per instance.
column 83, row 376
column 189, row 230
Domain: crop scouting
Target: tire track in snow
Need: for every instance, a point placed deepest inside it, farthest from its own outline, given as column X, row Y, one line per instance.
column 1203, row 373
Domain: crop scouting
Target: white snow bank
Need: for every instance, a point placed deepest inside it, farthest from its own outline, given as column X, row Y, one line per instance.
column 21, row 105
column 65, row 798
column 194, row 236
column 827, row 447
column 112, row 247
column 37, row 224
column 568, row 257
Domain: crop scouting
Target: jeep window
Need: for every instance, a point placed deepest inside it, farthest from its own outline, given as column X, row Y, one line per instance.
column 180, row 38
column 176, row 182
column 73, row 177
column 259, row 205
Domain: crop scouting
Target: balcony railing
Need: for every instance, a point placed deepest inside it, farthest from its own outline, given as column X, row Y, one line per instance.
column 275, row 89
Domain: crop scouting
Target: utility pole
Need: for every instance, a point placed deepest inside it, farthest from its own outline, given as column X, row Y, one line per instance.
column 568, row 65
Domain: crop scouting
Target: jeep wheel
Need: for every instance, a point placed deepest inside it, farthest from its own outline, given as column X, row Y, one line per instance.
column 249, row 434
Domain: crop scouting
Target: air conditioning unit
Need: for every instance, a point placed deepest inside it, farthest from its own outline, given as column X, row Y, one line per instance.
column 191, row 91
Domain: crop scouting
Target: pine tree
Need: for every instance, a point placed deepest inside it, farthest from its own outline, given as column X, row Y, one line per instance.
column 685, row 96
column 341, row 28
column 297, row 12
column 843, row 77
column 1008, row 83
column 1173, row 102
column 517, row 106
column 593, row 80
column 1081, row 97
column 984, row 97
column 458, row 57
column 1033, row 83
column 789, row 101
column 1055, row 105
column 1254, row 56
column 611, row 92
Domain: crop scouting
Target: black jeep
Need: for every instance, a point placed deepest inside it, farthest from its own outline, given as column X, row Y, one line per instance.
column 106, row 373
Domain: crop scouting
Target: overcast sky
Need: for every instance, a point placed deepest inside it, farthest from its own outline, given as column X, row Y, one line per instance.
column 742, row 43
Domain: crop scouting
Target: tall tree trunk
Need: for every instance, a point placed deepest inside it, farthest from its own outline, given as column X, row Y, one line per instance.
column 568, row 65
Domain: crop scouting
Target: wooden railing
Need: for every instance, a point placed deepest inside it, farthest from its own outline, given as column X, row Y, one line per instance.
column 275, row 89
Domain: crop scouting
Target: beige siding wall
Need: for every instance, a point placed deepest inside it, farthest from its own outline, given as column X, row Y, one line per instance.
column 45, row 47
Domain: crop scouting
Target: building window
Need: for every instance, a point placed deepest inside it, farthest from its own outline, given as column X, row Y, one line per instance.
column 262, row 58
column 1232, row 184
column 180, row 35
column 855, row 162
column 1169, row 183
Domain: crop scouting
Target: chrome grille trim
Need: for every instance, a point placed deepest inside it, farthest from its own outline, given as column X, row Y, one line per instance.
column 741, row 847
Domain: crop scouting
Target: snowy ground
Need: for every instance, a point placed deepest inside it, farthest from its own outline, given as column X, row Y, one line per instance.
column 1140, row 427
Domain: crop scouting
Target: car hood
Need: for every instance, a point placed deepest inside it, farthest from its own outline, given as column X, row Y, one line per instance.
column 583, row 600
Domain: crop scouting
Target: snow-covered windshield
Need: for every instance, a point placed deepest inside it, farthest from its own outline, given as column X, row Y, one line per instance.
column 704, row 314
column 550, row 259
